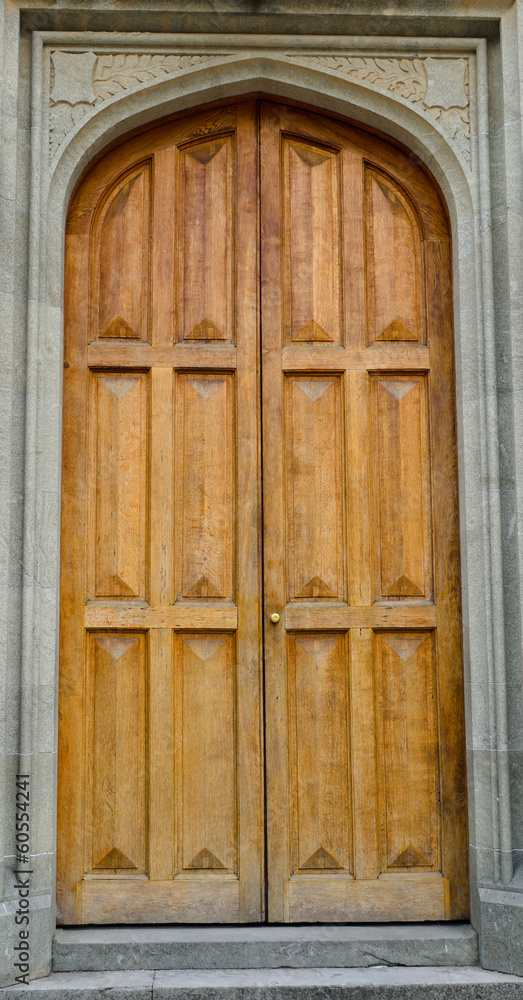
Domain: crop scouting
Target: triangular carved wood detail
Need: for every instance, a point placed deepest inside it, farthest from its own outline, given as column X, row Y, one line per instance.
column 312, row 157
column 397, row 330
column 321, row 859
column 206, row 859
column 117, row 645
column 120, row 329
column 203, row 588
column 205, row 330
column 404, row 588
column 203, row 154
column 206, row 647
column 410, row 858
column 118, row 386
column 115, row 859
column 313, row 387
column 317, row 648
column 405, row 647
column 316, row 588
column 205, row 388
column 312, row 332
column 398, row 389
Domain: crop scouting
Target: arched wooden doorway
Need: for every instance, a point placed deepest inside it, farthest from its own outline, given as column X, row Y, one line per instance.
column 261, row 680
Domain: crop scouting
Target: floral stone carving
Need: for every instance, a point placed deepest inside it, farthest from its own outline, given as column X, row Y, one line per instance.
column 437, row 86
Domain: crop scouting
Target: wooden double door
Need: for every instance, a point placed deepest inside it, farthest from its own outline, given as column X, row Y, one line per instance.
column 261, row 685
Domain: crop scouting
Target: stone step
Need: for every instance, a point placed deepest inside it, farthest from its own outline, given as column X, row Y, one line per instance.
column 99, row 949
column 378, row 983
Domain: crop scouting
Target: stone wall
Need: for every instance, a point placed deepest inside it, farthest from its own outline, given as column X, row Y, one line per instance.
column 442, row 77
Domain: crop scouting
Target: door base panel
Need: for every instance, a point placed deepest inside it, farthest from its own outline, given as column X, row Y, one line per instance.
column 184, row 900
column 409, row 897
column 104, row 949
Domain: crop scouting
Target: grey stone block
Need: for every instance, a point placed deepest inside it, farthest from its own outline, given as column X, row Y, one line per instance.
column 87, row 986
column 502, row 930
column 95, row 948
column 282, row 984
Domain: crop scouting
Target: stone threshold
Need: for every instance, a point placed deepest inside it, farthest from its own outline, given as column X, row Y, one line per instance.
column 105, row 949
column 465, row 983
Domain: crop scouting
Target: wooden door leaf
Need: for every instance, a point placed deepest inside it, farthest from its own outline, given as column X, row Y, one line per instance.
column 120, row 328
column 316, row 588
column 115, row 859
column 410, row 858
column 321, row 859
column 313, row 388
column 205, row 386
column 206, row 647
column 206, row 859
column 116, row 646
column 312, row 332
column 405, row 647
column 205, row 330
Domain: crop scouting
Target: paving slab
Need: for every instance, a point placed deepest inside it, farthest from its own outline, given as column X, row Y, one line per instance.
column 82, row 949
column 377, row 983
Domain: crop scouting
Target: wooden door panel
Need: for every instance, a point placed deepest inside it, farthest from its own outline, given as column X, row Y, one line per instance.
column 357, row 492
column 205, row 494
column 393, row 262
column 407, row 749
column 117, row 677
column 161, row 798
column 319, row 751
column 122, row 234
column 314, row 488
column 119, row 485
column 206, row 733
column 311, row 237
column 205, row 240
column 401, row 486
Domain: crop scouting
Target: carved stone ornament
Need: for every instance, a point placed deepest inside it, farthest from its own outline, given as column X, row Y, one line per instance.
column 81, row 81
column 437, row 86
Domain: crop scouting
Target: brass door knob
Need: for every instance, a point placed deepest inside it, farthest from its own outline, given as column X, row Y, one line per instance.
column 275, row 618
